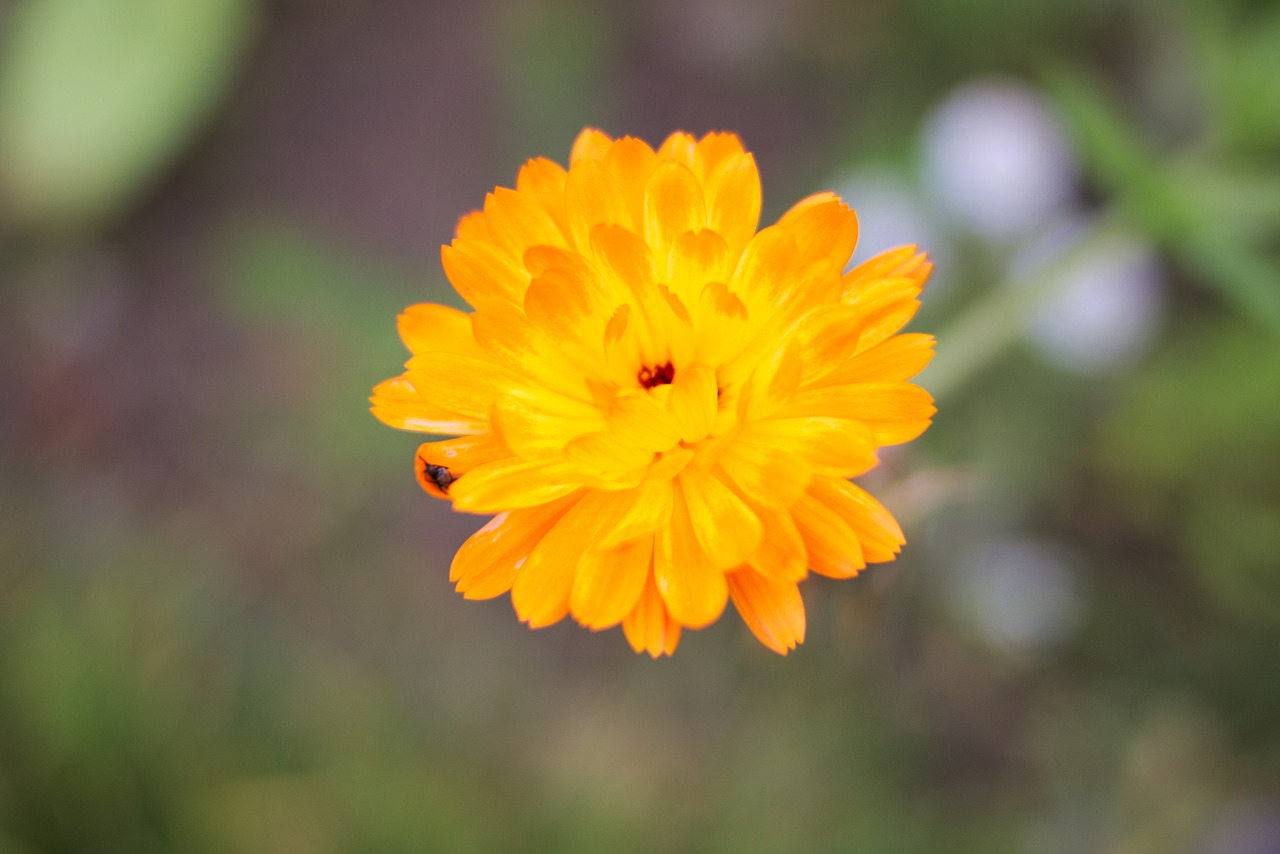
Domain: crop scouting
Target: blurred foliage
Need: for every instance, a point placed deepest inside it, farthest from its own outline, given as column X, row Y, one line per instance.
column 95, row 98
column 225, row 620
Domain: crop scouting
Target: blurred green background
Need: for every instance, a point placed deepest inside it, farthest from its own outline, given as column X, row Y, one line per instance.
column 225, row 619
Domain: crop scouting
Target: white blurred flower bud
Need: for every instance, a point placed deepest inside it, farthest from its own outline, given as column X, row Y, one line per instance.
column 997, row 159
column 1105, row 308
column 1019, row 596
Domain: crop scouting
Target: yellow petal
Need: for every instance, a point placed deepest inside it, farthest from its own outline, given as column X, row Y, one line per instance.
column 428, row 326
column 766, row 269
column 895, row 360
column 603, row 459
column 773, row 610
column 463, row 384
column 512, row 483
column 538, row 426
column 511, row 341
column 540, row 593
column 831, row 445
column 649, row 628
column 398, row 404
column 637, row 418
column 895, row 412
column 696, row 258
column 608, row 584
column 692, row 401
column 693, row 590
column 764, row 475
column 724, row 526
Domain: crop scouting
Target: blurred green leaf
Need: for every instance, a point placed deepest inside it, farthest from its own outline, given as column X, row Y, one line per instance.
column 1195, row 446
column 1154, row 193
column 96, row 96
column 1238, row 64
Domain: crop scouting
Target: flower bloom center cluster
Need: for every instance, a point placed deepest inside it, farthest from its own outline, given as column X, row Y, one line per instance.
column 662, row 405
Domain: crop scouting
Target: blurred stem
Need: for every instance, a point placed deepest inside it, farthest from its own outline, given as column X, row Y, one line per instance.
column 995, row 322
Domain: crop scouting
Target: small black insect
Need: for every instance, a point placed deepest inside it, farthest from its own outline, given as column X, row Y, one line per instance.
column 439, row 475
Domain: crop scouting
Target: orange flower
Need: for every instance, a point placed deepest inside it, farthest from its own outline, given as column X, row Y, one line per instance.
column 662, row 405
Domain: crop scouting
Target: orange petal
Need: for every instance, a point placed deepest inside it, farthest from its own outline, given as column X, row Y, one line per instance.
column 673, row 204
column 829, row 539
column 781, row 555
column 471, row 227
column 593, row 197
column 693, row 590
column 517, row 223
column 883, row 307
column 486, row 564
column 630, row 162
column 455, row 457
column 716, row 147
column 540, row 593
column 827, row 229
column 681, row 148
column 543, row 181
column 733, row 199
column 878, row 532
column 481, row 274
column 649, row 628
column 903, row 262
column 773, row 610
column 591, row 144
column 608, row 584
column 428, row 326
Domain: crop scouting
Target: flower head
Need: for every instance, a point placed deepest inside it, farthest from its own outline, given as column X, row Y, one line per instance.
column 661, row 405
